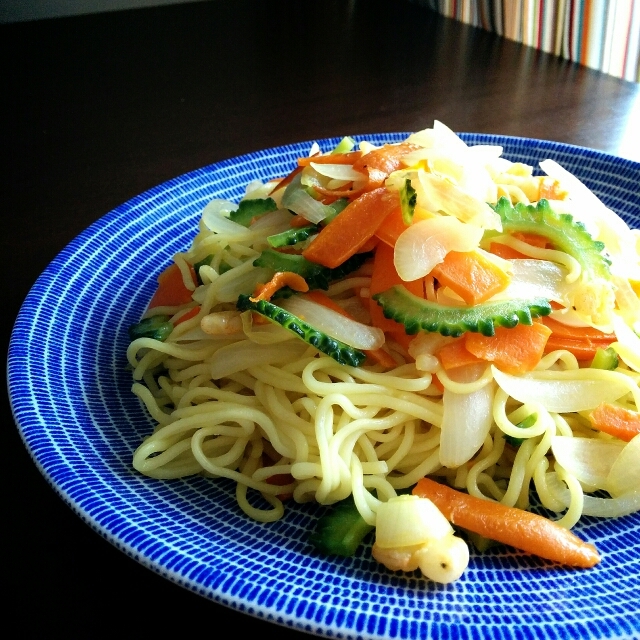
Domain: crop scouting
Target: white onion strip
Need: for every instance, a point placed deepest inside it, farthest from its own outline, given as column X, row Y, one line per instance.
column 334, row 324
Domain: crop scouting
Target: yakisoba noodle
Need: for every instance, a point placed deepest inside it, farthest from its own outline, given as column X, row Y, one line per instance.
column 237, row 398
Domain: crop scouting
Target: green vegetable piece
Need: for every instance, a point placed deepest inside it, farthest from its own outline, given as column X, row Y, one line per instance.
column 339, row 351
column 156, row 327
column 317, row 276
column 528, row 422
column 417, row 314
column 341, row 530
column 196, row 267
column 345, row 145
column 605, row 359
column 408, row 199
column 292, row 236
column 564, row 233
column 248, row 209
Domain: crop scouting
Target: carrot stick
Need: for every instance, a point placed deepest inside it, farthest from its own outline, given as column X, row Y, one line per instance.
column 377, row 355
column 518, row 528
column 471, row 275
column 351, row 228
column 280, row 279
column 393, row 225
column 505, row 251
column 171, row 291
column 383, row 277
column 331, row 158
column 534, row 239
column 616, row 421
column 515, row 350
column 455, row 354
column 582, row 342
column 379, row 163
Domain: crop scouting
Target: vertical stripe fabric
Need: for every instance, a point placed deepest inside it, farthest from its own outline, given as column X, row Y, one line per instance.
column 600, row 34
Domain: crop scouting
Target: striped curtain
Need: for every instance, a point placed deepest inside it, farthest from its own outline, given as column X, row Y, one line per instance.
column 601, row 34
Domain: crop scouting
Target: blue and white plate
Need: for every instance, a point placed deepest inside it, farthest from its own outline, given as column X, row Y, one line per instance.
column 71, row 396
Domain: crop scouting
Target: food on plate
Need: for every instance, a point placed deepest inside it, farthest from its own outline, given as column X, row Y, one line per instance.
column 430, row 339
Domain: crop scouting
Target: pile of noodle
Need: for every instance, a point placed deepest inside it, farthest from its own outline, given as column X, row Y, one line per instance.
column 255, row 404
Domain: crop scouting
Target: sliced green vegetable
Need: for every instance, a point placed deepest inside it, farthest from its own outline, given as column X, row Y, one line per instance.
column 417, row 314
column 250, row 208
column 317, row 276
column 408, row 199
column 156, row 327
column 564, row 233
column 196, row 267
column 339, row 351
column 605, row 359
column 528, row 422
column 341, row 530
column 292, row 236
column 345, row 145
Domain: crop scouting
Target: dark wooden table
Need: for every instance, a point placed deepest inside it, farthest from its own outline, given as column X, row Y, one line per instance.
column 102, row 107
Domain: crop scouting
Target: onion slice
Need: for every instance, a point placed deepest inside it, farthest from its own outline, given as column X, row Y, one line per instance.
column 334, row 324
column 624, row 475
column 588, row 459
column 561, row 391
column 423, row 245
column 466, row 421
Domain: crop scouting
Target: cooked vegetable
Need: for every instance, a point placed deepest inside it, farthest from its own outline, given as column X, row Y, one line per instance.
column 582, row 342
column 340, row 352
column 592, row 295
column 527, row 423
column 421, row 315
column 280, row 279
column 249, row 209
column 615, row 420
column 317, row 276
column 379, row 163
column 350, row 230
column 378, row 355
column 425, row 244
column 156, row 327
column 412, row 534
column 474, row 277
column 515, row 350
column 172, row 291
column 408, row 198
column 292, row 236
column 521, row 529
column 605, row 359
column 340, row 530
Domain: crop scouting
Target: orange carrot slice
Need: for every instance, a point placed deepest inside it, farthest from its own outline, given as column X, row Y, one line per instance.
column 474, row 277
column 280, row 279
column 331, row 158
column 351, row 228
column 379, row 163
column 515, row 350
column 393, row 225
column 455, row 354
column 518, row 528
column 616, row 421
column 171, row 291
column 582, row 342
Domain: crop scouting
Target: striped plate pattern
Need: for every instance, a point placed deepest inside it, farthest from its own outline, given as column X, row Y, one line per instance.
column 71, row 396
